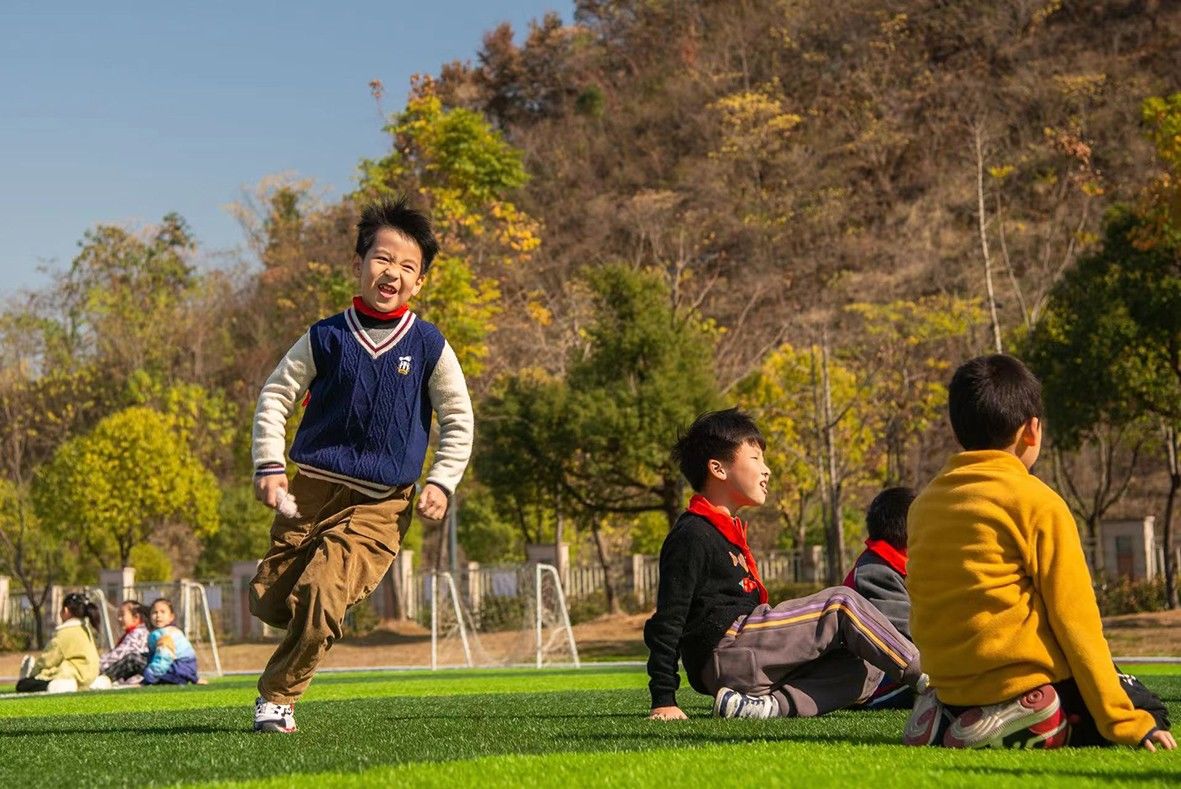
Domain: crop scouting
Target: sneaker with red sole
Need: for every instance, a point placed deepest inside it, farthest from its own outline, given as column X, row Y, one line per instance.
column 1033, row 720
column 928, row 720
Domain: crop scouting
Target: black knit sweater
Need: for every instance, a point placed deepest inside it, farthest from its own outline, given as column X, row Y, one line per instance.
column 701, row 594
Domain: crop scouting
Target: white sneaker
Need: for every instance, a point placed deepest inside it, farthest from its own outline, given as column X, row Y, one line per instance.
column 928, row 720
column 62, row 685
column 729, row 703
column 101, row 682
column 276, row 718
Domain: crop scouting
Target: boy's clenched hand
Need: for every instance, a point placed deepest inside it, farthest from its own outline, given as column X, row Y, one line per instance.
column 266, row 488
column 432, row 502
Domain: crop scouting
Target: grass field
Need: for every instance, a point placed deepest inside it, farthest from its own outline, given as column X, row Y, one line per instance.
column 504, row 728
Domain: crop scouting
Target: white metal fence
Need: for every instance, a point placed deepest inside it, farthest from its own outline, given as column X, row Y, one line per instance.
column 489, row 592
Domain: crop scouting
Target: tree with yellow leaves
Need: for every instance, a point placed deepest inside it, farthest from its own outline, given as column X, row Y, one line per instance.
column 109, row 489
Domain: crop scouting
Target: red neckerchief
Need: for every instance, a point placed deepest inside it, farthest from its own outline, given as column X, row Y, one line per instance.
column 360, row 306
column 734, row 531
column 891, row 555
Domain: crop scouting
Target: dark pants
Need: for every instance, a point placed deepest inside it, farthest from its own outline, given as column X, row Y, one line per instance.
column 181, row 672
column 1083, row 729
column 127, row 666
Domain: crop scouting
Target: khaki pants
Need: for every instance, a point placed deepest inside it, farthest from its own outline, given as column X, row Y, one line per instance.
column 814, row 655
column 333, row 556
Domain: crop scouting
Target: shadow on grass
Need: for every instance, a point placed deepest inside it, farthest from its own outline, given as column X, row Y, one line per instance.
column 1057, row 773
column 142, row 730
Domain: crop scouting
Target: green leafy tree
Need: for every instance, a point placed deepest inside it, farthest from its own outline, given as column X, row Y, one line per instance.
column 121, row 289
column 150, row 563
column 465, row 170
column 785, row 397
column 1108, row 348
column 902, row 353
column 109, row 489
column 645, row 374
column 30, row 554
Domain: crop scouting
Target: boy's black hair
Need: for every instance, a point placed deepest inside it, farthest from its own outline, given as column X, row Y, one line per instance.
column 990, row 397
column 885, row 519
column 397, row 214
column 715, row 435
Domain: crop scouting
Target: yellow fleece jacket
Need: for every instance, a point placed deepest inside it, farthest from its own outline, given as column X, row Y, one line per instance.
column 71, row 654
column 1001, row 598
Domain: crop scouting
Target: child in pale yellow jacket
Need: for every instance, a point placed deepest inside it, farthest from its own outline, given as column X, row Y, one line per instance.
column 1002, row 608
column 71, row 659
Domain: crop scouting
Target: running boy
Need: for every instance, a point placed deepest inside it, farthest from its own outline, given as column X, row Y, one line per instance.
column 372, row 376
column 800, row 658
column 1001, row 600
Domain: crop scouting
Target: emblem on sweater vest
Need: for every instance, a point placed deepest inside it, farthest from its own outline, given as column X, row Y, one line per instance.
column 404, row 365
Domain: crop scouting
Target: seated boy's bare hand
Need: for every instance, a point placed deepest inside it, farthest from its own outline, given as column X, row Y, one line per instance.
column 667, row 714
column 266, row 488
column 432, row 502
column 1161, row 738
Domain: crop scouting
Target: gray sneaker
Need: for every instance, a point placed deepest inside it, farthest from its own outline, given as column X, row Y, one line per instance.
column 729, row 703
column 273, row 718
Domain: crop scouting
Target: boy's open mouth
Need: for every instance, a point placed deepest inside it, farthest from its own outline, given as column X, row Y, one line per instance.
column 387, row 290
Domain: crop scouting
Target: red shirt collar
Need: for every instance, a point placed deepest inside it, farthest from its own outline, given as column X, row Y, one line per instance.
column 889, row 554
column 734, row 531
column 360, row 306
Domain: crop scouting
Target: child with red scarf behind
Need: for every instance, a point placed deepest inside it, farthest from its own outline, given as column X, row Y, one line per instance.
column 879, row 575
column 800, row 658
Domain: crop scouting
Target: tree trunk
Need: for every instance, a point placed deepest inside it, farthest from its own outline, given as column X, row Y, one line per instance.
column 38, row 623
column 608, row 584
column 671, row 493
column 1095, row 540
column 559, row 532
column 836, row 536
column 996, row 324
column 1170, row 553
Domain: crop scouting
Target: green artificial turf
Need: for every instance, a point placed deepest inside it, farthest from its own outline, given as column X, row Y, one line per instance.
column 504, row 728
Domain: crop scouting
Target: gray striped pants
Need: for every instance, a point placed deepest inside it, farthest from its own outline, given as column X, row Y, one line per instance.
column 814, row 655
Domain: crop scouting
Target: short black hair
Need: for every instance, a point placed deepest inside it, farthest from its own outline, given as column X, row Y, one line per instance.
column 397, row 214
column 989, row 398
column 715, row 435
column 885, row 519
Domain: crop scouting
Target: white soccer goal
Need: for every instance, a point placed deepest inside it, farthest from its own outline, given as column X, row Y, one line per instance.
column 511, row 617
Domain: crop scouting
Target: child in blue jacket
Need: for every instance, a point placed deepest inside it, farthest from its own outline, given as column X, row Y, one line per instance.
column 171, row 659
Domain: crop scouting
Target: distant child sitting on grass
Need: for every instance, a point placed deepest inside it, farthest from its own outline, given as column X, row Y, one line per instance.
column 171, row 658
column 372, row 376
column 71, row 659
column 129, row 657
column 800, row 658
column 879, row 575
column 1001, row 601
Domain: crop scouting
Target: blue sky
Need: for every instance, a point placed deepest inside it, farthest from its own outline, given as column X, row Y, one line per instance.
column 120, row 112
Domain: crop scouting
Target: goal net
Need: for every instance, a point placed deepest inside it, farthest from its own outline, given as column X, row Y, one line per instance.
column 508, row 616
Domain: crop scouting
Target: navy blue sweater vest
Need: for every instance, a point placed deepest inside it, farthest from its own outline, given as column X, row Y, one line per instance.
column 368, row 416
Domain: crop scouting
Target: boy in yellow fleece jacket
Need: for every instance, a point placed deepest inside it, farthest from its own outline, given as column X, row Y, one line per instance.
column 1002, row 608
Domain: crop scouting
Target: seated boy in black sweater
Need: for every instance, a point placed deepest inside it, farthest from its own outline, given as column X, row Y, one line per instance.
column 879, row 575
column 802, row 657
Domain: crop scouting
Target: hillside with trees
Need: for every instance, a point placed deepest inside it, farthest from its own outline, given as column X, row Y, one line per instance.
column 813, row 210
